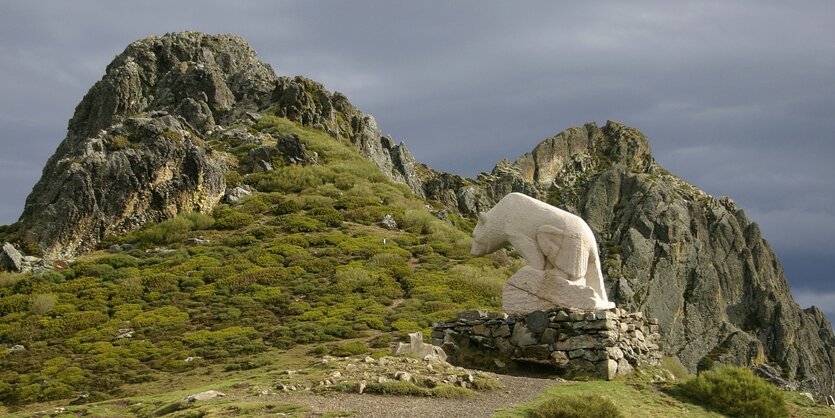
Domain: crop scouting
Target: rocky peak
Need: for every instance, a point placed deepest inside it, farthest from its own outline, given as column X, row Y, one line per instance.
column 135, row 149
column 199, row 77
column 553, row 168
column 584, row 148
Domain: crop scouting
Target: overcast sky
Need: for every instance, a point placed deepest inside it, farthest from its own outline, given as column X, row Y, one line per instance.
column 736, row 97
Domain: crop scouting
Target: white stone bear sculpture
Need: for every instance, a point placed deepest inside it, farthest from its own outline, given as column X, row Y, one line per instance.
column 563, row 266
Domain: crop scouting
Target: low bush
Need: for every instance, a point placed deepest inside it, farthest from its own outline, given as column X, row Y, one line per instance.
column 354, row 202
column 301, row 223
column 224, row 342
column 285, row 207
column 172, row 230
column 254, row 205
column 575, row 406
column 228, row 218
column 328, row 216
column 735, row 391
column 382, row 341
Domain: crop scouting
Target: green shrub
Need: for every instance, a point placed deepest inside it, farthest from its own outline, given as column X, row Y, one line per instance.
column 228, row 218
column 14, row 303
column 199, row 221
column 254, row 205
column 285, row 207
column 382, row 341
column 301, row 223
column 96, row 270
column 354, row 202
column 233, row 179
column 43, row 303
column 120, row 142
column 735, row 391
column 311, row 200
column 120, row 260
column 328, row 216
column 352, row 348
column 172, row 230
column 165, row 317
column 575, row 406
column 225, row 342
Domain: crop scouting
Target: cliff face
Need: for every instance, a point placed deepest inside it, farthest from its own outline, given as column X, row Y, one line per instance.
column 136, row 151
column 695, row 262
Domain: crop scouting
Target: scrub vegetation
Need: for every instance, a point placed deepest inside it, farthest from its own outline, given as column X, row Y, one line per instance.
column 302, row 261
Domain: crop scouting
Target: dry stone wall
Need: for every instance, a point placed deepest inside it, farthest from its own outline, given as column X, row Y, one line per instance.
column 571, row 342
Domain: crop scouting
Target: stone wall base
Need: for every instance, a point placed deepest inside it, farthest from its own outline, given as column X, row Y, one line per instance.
column 571, row 342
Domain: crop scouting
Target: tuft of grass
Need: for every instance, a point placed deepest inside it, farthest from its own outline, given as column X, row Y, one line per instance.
column 735, row 391
column 674, row 366
column 575, row 406
column 400, row 388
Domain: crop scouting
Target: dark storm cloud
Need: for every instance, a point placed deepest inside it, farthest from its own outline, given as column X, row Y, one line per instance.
column 736, row 97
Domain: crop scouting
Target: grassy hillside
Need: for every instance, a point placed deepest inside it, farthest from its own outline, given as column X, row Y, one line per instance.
column 302, row 261
column 249, row 299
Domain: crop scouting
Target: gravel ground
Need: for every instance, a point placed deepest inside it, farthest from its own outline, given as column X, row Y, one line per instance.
column 515, row 390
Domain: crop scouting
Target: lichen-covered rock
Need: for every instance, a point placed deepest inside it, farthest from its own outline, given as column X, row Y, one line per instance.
column 146, row 169
column 10, row 258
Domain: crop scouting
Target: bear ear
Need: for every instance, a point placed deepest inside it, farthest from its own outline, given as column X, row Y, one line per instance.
column 482, row 217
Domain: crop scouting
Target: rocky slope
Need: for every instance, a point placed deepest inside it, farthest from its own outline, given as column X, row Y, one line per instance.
column 695, row 262
column 136, row 151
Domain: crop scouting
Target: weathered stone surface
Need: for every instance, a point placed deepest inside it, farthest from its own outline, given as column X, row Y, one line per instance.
column 502, row 331
column 10, row 258
column 146, row 169
column 522, row 336
column 609, row 369
column 571, row 347
column 537, row 321
column 236, row 195
column 419, row 349
column 548, row 336
column 576, row 342
column 388, row 222
column 560, row 358
column 624, row 367
column 531, row 289
column 204, row 396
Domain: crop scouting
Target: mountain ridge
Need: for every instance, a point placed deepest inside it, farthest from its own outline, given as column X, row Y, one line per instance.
column 669, row 249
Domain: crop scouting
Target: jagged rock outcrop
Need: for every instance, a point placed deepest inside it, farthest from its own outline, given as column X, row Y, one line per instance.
column 145, row 169
column 136, row 148
column 695, row 262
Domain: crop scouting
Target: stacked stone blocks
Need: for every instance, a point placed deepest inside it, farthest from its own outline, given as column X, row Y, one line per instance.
column 572, row 342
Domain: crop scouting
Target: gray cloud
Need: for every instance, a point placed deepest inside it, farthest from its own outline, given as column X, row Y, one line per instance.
column 736, row 97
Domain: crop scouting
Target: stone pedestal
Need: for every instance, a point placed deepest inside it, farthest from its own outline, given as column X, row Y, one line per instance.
column 531, row 289
column 571, row 342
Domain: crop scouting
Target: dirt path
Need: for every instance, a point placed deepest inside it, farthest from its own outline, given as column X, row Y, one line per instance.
column 515, row 390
